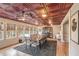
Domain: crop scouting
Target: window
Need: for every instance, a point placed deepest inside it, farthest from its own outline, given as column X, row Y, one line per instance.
column 1, row 31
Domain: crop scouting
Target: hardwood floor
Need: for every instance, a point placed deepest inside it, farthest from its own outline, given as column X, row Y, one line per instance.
column 62, row 48
column 9, row 51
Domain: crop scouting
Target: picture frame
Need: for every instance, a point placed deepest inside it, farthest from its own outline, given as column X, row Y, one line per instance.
column 75, row 27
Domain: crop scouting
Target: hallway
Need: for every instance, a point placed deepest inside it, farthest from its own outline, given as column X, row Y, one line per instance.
column 34, row 29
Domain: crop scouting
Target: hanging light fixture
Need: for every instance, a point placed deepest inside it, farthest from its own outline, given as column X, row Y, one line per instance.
column 21, row 15
column 44, row 15
column 44, row 11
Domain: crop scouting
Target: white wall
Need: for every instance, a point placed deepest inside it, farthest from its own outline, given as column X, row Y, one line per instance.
column 73, row 47
column 56, row 29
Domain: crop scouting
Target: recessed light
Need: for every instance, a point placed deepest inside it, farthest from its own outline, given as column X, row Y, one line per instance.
column 50, row 22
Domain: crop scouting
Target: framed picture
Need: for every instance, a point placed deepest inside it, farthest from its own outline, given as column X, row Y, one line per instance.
column 75, row 27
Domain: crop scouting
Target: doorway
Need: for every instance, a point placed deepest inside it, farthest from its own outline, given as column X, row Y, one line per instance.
column 66, row 37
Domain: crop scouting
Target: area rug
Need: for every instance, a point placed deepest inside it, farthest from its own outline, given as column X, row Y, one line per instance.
column 47, row 50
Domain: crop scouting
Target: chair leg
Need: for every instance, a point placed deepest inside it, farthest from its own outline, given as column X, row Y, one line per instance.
column 40, row 45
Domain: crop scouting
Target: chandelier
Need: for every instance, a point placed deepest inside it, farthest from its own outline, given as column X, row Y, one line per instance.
column 26, row 16
column 22, row 15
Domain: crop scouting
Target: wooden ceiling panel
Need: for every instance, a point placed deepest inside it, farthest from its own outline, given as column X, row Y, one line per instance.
column 55, row 10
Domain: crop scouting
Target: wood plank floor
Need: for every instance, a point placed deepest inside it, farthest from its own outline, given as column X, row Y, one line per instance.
column 10, row 51
column 62, row 49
